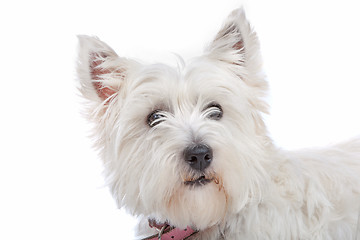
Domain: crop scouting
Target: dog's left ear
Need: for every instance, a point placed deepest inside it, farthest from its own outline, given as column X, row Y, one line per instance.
column 237, row 47
column 237, row 44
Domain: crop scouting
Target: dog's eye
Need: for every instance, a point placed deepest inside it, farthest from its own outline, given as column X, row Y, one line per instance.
column 155, row 118
column 214, row 111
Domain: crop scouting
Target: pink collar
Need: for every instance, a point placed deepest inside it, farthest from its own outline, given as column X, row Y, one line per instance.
column 167, row 232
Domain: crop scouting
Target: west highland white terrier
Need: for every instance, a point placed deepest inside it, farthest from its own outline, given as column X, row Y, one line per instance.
column 186, row 149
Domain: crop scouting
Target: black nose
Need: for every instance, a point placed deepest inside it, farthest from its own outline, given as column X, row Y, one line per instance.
column 198, row 157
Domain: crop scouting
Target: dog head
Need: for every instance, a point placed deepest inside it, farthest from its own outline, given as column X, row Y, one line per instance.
column 185, row 145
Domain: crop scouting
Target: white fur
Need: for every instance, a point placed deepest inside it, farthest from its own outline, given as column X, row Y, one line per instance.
column 262, row 192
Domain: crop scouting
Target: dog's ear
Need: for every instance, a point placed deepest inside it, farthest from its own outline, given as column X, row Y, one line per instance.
column 100, row 70
column 236, row 43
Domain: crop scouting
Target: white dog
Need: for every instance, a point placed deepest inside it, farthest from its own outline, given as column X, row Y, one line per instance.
column 187, row 149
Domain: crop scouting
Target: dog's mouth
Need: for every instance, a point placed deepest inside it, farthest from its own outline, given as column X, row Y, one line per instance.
column 201, row 181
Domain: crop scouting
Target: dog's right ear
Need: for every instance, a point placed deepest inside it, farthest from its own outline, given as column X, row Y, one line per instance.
column 100, row 70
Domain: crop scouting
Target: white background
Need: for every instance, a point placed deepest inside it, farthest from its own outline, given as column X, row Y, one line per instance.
column 50, row 179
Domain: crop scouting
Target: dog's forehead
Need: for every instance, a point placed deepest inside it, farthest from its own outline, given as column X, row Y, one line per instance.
column 196, row 81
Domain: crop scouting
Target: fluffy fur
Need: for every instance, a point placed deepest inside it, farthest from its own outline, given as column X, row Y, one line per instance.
column 258, row 191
